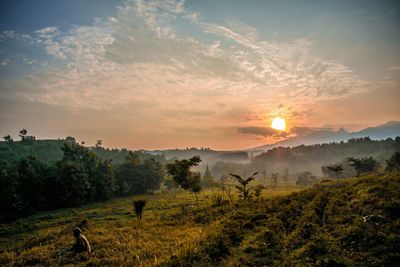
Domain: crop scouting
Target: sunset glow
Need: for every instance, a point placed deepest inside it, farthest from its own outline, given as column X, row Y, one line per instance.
column 163, row 74
column 278, row 124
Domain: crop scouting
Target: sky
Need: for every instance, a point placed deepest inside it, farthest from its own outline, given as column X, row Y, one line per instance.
column 196, row 73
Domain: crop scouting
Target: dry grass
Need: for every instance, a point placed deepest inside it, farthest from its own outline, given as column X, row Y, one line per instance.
column 171, row 225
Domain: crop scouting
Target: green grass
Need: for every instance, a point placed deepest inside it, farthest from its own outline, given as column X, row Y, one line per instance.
column 171, row 225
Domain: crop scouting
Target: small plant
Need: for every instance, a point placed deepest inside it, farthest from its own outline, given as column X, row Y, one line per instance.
column 217, row 200
column 258, row 190
column 139, row 205
column 244, row 190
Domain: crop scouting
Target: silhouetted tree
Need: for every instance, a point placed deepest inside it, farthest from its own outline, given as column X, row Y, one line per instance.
column 181, row 174
column 363, row 165
column 98, row 143
column 305, row 178
column 22, row 133
column 336, row 169
column 7, row 138
column 244, row 190
column 394, row 162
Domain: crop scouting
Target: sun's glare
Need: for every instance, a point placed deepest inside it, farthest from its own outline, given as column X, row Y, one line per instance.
column 278, row 124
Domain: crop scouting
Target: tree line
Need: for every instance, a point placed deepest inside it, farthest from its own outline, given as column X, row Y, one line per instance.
column 29, row 185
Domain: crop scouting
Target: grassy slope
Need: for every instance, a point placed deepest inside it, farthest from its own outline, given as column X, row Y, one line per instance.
column 114, row 233
column 351, row 223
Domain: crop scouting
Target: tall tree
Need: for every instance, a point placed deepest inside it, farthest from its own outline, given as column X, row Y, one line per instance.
column 183, row 176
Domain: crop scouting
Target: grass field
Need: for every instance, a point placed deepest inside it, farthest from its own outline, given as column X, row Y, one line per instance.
column 351, row 222
column 172, row 225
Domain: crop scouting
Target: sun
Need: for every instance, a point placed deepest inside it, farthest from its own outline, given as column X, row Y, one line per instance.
column 278, row 124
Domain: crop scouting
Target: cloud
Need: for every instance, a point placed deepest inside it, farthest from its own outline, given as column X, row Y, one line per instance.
column 262, row 131
column 303, row 131
column 4, row 62
column 140, row 65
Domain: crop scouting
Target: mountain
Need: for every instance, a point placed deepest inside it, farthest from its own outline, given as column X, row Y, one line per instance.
column 390, row 129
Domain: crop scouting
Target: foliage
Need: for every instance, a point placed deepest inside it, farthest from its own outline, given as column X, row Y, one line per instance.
column 330, row 225
column 44, row 238
column 50, row 151
column 30, row 185
column 363, row 165
column 244, row 190
column 305, row 178
column 181, row 174
column 137, row 177
column 258, row 189
column 336, row 169
column 312, row 157
column 394, row 162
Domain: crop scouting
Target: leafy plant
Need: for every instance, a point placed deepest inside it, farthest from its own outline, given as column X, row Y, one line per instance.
column 244, row 190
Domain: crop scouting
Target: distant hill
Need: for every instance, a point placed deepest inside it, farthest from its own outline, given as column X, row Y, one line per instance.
column 388, row 130
column 50, row 151
column 295, row 159
column 208, row 156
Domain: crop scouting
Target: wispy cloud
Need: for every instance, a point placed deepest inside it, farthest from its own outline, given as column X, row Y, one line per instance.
column 138, row 63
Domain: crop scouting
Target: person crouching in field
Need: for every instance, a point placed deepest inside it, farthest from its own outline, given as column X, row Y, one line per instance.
column 81, row 243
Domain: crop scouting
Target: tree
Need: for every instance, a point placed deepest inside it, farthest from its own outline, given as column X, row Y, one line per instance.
column 336, row 169
column 305, row 178
column 181, row 174
column 7, row 138
column 8, row 197
column 82, row 176
column 393, row 163
column 244, row 190
column 137, row 177
column 98, row 143
column 363, row 165
column 22, row 133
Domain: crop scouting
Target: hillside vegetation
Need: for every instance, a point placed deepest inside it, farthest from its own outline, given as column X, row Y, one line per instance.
column 354, row 222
